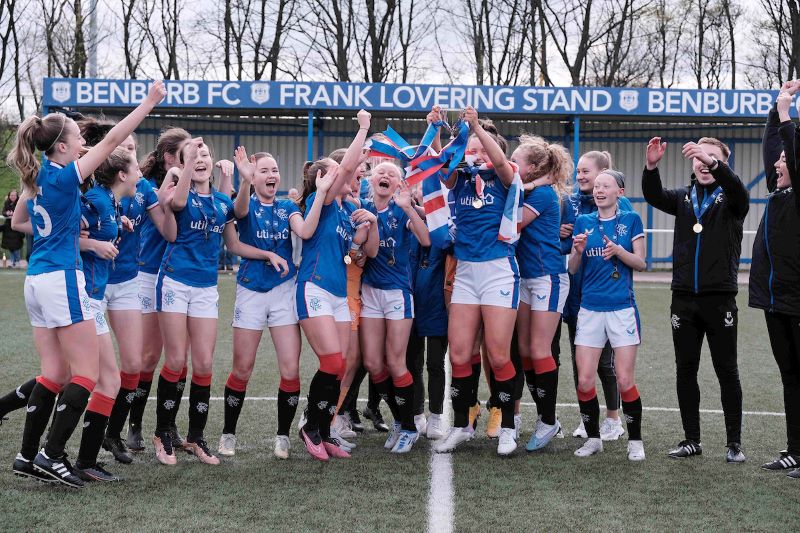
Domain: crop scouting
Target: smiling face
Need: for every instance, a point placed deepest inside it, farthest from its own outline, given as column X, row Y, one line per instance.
column 521, row 159
column 203, row 166
column 12, row 195
column 782, row 172
column 701, row 172
column 70, row 147
column 476, row 152
column 586, row 173
column 606, row 191
column 131, row 177
column 130, row 145
column 267, row 178
column 384, row 180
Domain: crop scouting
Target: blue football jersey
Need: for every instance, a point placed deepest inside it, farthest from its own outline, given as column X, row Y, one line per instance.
column 478, row 228
column 100, row 214
column 430, row 312
column 323, row 254
column 55, row 214
column 193, row 258
column 266, row 226
column 600, row 291
column 539, row 247
column 126, row 265
column 390, row 268
column 151, row 245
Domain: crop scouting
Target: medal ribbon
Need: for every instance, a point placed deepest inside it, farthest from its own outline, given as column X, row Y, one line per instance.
column 699, row 210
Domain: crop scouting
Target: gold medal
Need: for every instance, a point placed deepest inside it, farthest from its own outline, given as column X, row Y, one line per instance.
column 391, row 261
column 477, row 203
column 697, row 228
column 347, row 259
column 615, row 275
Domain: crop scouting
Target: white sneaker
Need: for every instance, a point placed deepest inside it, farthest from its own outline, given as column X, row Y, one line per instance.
column 343, row 443
column 506, row 441
column 282, row 447
column 343, row 428
column 405, row 441
column 422, row 424
column 580, row 432
column 454, row 437
column 434, row 430
column 590, row 447
column 517, row 425
column 611, row 429
column 227, row 444
column 394, row 434
column 635, row 450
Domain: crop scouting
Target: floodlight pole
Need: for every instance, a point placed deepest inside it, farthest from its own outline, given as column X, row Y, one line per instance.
column 310, row 149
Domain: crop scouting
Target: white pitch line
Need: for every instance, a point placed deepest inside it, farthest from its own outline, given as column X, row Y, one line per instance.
column 441, row 494
column 526, row 404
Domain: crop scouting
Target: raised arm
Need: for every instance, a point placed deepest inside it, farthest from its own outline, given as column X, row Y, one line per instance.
column 181, row 194
column 771, row 141
column 493, row 150
column 247, row 169
column 305, row 227
column 435, row 115
column 226, row 177
column 352, row 158
column 653, row 191
column 97, row 154
column 575, row 258
column 418, row 227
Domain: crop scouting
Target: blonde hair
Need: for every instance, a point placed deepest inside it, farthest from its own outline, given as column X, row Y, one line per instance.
column 545, row 158
column 33, row 134
column 602, row 159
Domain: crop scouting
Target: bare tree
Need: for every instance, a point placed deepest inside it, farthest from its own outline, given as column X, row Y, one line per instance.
column 375, row 39
column 133, row 39
column 619, row 59
column 776, row 53
column 567, row 21
column 731, row 13
column 335, row 35
column 284, row 17
column 163, row 34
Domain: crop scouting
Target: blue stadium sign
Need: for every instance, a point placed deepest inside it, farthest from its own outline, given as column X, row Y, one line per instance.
column 290, row 95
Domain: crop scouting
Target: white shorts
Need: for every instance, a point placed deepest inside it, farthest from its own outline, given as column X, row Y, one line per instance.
column 314, row 301
column 620, row 328
column 57, row 299
column 122, row 296
column 255, row 310
column 545, row 293
column 172, row 296
column 99, row 312
column 147, row 292
column 391, row 304
column 494, row 282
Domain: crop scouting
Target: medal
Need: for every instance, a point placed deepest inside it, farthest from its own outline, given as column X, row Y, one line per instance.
column 391, row 261
column 477, row 203
column 615, row 275
column 348, row 259
column 697, row 228
column 424, row 263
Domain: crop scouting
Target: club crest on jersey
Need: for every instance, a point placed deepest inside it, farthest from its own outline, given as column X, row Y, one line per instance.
column 169, row 297
column 259, row 93
column 282, row 214
column 315, row 304
column 139, row 197
column 728, row 319
column 224, row 208
column 622, row 230
column 628, row 100
column 60, row 91
column 719, row 199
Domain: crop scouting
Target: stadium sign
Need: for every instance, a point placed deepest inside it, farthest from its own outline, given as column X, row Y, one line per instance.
column 290, row 95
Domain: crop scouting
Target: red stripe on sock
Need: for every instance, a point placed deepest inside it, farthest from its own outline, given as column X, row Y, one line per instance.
column 505, row 372
column 184, row 372
column 290, row 385
column 201, row 380
column 147, row 377
column 379, row 378
column 236, row 384
column 330, row 363
column 100, row 404
column 403, row 381
column 527, row 364
column 476, row 359
column 585, row 396
column 462, row 371
column 630, row 395
column 543, row 366
column 86, row 383
column 128, row 381
column 52, row 386
column 170, row 375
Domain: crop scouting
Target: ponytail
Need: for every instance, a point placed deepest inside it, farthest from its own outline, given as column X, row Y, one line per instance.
column 35, row 134
column 169, row 142
column 601, row 159
column 561, row 169
column 310, row 180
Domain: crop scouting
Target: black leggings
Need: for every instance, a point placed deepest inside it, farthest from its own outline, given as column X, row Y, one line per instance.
column 415, row 359
column 713, row 316
column 605, row 367
column 784, row 336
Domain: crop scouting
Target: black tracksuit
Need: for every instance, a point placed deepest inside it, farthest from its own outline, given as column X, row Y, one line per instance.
column 704, row 287
column 775, row 273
